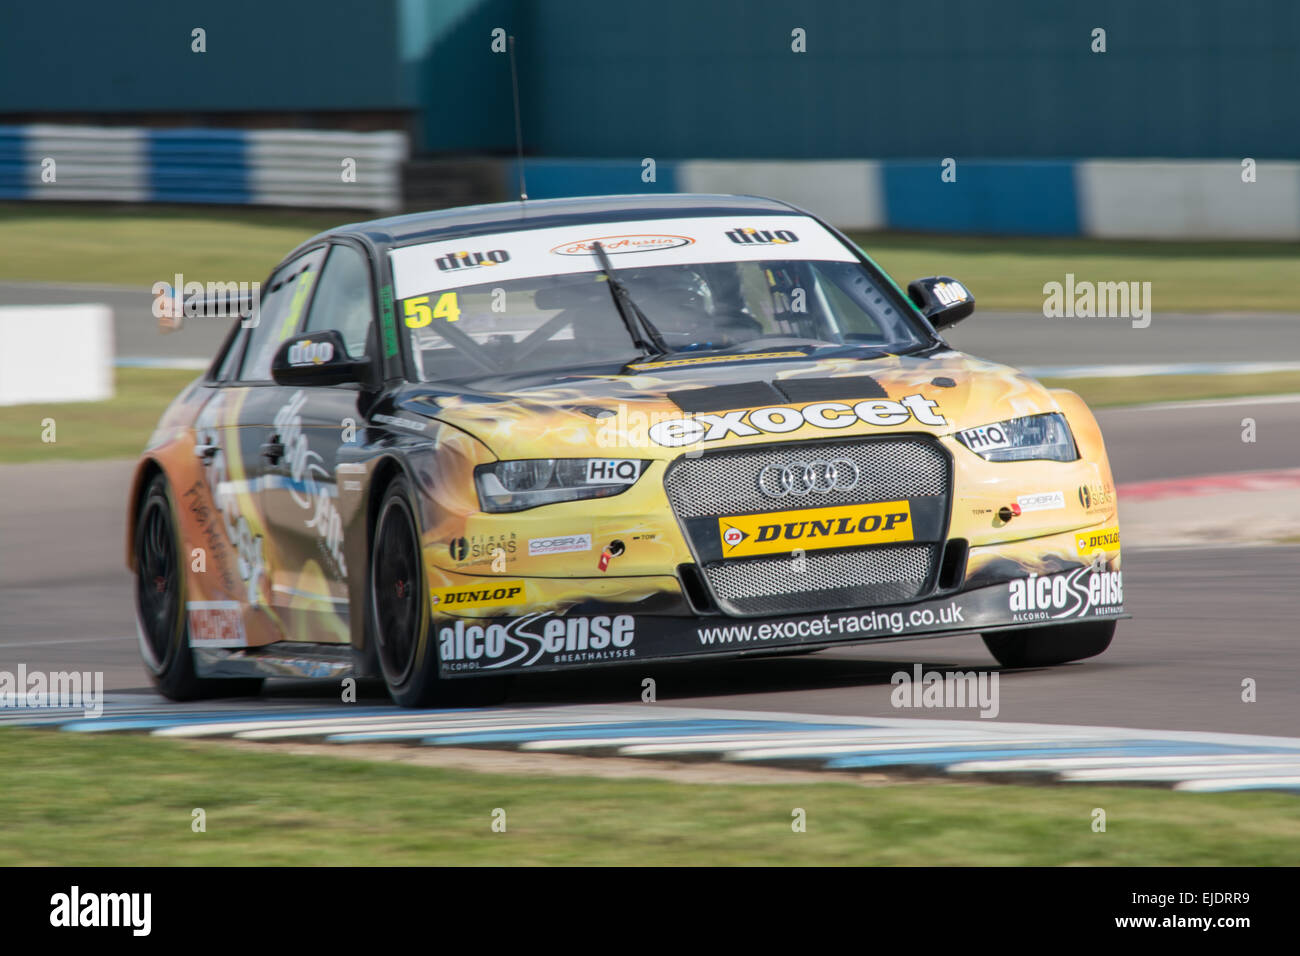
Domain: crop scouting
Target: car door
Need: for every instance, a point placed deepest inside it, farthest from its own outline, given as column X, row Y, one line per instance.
column 300, row 487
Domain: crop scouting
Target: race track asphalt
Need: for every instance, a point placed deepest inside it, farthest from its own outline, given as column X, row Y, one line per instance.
column 1014, row 338
column 1203, row 620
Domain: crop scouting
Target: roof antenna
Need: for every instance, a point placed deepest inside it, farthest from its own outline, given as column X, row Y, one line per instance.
column 519, row 134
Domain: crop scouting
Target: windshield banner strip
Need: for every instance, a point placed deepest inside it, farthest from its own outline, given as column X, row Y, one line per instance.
column 567, row 250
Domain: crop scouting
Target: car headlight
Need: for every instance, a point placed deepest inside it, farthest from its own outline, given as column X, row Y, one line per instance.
column 1023, row 439
column 527, row 483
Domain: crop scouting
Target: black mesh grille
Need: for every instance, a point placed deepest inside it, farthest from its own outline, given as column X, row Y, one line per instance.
column 728, row 483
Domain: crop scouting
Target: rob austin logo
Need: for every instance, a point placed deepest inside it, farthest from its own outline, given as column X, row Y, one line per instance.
column 471, row 260
column 747, row 235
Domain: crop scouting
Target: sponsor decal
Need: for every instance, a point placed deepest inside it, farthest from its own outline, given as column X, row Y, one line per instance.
column 524, row 641
column 709, row 359
column 777, row 420
column 386, row 319
column 1042, row 501
column 307, row 352
column 815, row 528
column 613, row 471
column 479, row 548
column 250, row 555
column 950, row 293
column 1091, row 542
column 310, row 484
column 216, row 624
column 560, row 544
column 1054, row 597
column 615, row 245
column 496, row 594
column 470, row 260
column 831, row 626
column 400, row 422
column 746, row 235
column 984, row 438
column 1096, row 496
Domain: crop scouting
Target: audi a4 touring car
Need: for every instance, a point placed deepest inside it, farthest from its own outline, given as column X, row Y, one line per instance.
column 442, row 448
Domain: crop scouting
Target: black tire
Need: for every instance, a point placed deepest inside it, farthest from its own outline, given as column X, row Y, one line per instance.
column 1048, row 646
column 160, row 605
column 403, row 636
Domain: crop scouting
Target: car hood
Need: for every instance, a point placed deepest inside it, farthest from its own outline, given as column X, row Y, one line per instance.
column 733, row 402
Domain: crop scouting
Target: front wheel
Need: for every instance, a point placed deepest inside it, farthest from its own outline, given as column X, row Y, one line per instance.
column 1047, row 646
column 402, row 632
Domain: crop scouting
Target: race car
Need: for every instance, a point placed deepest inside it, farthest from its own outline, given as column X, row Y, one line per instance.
column 445, row 448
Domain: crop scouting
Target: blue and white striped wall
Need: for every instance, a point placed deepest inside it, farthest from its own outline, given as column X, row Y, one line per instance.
column 1103, row 198
column 227, row 166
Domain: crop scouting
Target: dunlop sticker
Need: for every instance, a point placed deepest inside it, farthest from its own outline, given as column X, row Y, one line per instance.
column 816, row 528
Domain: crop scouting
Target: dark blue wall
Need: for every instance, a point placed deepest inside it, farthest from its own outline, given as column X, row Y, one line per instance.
column 699, row 78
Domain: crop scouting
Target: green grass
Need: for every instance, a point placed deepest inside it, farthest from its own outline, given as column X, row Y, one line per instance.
column 1008, row 274
column 140, row 245
column 117, row 428
column 1140, row 389
column 88, row 800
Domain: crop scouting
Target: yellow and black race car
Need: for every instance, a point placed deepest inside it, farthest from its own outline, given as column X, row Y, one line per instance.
column 589, row 432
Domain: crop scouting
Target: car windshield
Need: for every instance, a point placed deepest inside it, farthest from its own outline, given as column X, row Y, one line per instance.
column 754, row 290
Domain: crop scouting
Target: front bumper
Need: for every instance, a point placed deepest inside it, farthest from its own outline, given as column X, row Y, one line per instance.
column 545, row 641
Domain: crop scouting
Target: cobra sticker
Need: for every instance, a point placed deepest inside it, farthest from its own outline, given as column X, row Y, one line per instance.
column 779, row 419
column 496, row 594
column 816, row 528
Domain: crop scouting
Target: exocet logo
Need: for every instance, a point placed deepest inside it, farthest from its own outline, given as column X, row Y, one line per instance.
column 471, row 260
column 308, row 352
column 746, row 235
column 745, row 423
column 1075, row 594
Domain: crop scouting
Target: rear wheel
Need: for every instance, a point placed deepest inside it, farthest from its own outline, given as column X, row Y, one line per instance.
column 1047, row 646
column 403, row 635
column 160, row 605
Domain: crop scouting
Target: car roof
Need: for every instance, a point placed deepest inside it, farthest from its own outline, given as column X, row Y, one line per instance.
column 541, row 213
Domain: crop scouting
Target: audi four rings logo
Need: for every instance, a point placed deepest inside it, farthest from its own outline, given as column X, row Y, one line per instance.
column 809, row 477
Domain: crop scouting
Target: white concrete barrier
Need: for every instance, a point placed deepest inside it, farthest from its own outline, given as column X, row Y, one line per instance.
column 1180, row 199
column 846, row 192
column 55, row 353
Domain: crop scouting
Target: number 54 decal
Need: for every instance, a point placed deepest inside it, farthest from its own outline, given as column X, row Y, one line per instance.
column 419, row 314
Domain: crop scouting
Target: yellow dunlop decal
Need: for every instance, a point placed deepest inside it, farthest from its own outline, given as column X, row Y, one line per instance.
column 1090, row 542
column 488, row 594
column 815, row 528
column 705, row 359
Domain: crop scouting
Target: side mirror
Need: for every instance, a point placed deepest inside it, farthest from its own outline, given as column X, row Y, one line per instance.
column 941, row 299
column 317, row 358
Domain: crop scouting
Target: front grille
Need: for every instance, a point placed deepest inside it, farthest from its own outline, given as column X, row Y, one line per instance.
column 727, row 483
column 822, row 580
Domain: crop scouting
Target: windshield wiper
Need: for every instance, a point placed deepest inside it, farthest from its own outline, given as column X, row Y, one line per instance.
column 651, row 342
